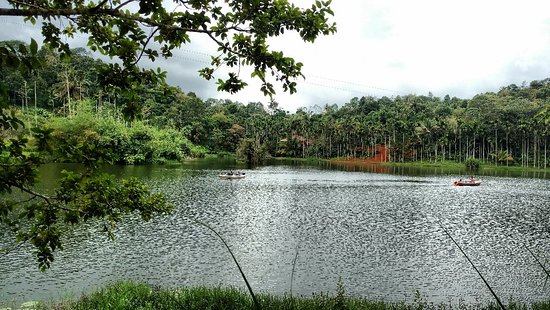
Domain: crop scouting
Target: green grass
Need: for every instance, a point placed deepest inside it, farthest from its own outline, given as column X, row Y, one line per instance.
column 454, row 164
column 485, row 168
column 132, row 295
column 296, row 159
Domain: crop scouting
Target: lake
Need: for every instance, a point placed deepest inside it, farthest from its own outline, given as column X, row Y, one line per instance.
column 380, row 232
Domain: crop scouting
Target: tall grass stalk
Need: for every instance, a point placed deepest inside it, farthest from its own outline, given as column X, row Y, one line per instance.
column 292, row 278
column 292, row 272
column 540, row 264
column 256, row 304
column 474, row 266
column 142, row 296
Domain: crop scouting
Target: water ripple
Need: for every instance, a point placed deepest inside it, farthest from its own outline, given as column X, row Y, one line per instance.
column 380, row 233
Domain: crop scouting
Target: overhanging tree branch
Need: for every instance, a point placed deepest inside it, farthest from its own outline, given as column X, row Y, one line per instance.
column 44, row 12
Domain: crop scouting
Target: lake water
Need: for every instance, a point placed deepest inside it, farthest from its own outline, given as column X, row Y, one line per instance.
column 381, row 233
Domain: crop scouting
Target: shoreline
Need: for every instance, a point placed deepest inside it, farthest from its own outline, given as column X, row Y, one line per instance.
column 485, row 169
column 140, row 295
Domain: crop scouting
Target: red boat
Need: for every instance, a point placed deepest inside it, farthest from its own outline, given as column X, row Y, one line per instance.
column 466, row 183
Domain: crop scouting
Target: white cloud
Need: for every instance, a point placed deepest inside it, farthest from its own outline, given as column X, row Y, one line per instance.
column 461, row 48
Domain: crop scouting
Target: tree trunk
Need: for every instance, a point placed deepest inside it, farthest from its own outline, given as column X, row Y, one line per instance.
column 545, row 159
column 403, row 147
column 35, row 99
column 68, row 93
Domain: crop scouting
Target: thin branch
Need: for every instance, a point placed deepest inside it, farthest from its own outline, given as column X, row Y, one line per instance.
column 29, row 191
column 24, row 3
column 25, row 201
column 540, row 264
column 123, row 4
column 220, row 44
column 474, row 266
column 44, row 197
column 81, row 11
column 256, row 304
column 84, row 11
column 145, row 45
column 102, row 3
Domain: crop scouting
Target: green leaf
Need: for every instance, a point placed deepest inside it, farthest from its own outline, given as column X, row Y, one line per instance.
column 34, row 47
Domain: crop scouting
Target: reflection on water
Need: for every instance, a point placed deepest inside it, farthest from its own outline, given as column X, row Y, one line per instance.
column 379, row 232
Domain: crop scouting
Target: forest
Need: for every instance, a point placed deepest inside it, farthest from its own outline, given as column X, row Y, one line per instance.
column 65, row 100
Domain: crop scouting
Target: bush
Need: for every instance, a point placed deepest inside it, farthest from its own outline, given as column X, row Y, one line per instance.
column 110, row 140
column 198, row 151
column 224, row 154
column 251, row 152
column 472, row 163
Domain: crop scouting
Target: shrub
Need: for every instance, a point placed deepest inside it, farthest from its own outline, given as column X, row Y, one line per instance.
column 167, row 145
column 198, row 151
column 110, row 140
column 251, row 152
column 472, row 163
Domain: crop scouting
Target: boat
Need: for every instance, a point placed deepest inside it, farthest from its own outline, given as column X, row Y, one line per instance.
column 466, row 183
column 232, row 176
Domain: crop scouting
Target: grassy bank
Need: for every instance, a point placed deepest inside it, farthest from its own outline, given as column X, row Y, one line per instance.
column 131, row 295
column 448, row 164
column 454, row 164
column 451, row 167
column 484, row 169
column 418, row 167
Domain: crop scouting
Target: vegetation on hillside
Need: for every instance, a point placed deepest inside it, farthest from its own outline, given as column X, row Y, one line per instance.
column 509, row 127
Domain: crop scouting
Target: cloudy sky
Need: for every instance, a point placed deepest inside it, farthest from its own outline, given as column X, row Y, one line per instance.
column 389, row 48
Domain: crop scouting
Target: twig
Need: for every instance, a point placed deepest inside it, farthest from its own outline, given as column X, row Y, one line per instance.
column 474, row 266
column 540, row 264
column 84, row 11
column 256, row 304
column 292, row 273
column 101, row 4
column 123, row 4
column 292, row 278
column 29, row 191
column 145, row 45
column 24, row 201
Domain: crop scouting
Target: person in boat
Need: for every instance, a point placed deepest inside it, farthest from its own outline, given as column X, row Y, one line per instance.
column 472, row 180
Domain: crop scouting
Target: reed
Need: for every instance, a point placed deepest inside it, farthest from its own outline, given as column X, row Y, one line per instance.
column 540, row 264
column 254, row 299
column 501, row 305
column 133, row 295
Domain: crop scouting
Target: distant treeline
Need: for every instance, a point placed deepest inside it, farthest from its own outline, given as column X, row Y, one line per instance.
column 509, row 127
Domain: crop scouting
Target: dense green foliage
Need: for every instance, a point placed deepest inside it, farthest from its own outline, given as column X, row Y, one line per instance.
column 108, row 139
column 128, row 295
column 472, row 164
column 509, row 127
